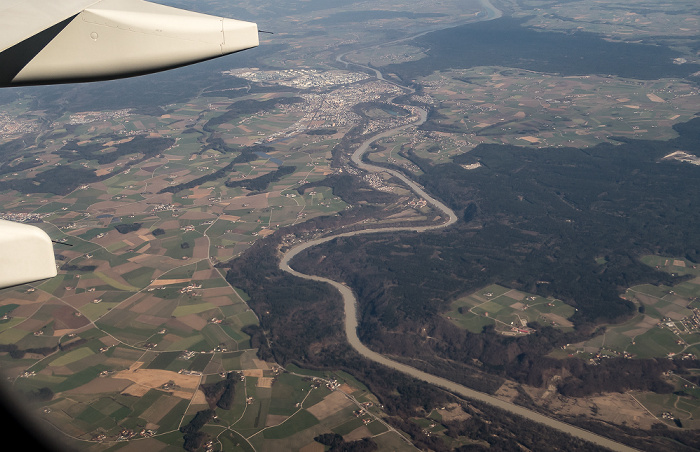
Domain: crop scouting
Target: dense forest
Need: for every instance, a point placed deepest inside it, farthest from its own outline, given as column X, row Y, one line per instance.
column 260, row 183
column 15, row 167
column 301, row 323
column 536, row 220
column 125, row 228
column 321, row 132
column 247, row 107
column 95, row 149
column 61, row 180
column 336, row 443
column 245, row 154
column 214, row 175
column 350, row 189
column 506, row 42
column 364, row 16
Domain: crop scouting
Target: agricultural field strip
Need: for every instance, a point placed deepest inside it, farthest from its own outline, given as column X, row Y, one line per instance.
column 357, row 404
column 510, row 301
column 301, row 408
column 675, row 322
column 231, row 426
column 120, row 341
column 194, row 394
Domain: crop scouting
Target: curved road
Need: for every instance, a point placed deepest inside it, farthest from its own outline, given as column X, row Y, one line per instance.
column 350, row 301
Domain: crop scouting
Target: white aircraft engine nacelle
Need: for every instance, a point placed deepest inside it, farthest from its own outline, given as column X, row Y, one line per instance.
column 121, row 38
column 27, row 254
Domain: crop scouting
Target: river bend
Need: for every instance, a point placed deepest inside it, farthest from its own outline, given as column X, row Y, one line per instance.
column 350, row 301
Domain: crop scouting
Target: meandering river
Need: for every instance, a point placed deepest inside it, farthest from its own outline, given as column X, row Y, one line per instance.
column 350, row 301
column 351, row 322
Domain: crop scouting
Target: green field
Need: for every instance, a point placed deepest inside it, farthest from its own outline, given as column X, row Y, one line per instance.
column 662, row 326
column 508, row 310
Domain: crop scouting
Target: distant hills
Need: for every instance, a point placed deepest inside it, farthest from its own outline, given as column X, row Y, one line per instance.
column 506, row 42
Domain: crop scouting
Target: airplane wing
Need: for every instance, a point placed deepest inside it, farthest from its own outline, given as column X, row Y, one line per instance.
column 62, row 41
column 65, row 41
column 26, row 254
